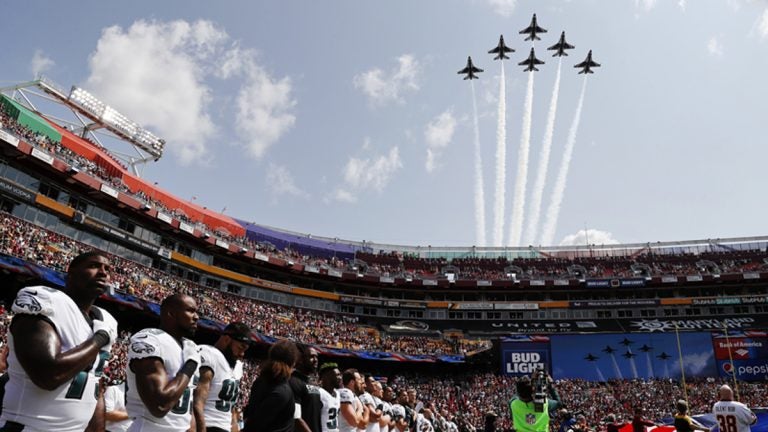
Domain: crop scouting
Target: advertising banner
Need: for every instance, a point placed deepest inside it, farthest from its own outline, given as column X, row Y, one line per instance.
column 602, row 357
column 744, row 354
column 524, row 355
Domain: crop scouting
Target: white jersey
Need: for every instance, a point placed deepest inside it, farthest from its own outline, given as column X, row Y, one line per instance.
column 368, row 399
column 225, row 387
column 70, row 406
column 329, row 414
column 733, row 416
column 114, row 400
column 157, row 343
column 346, row 396
column 423, row 425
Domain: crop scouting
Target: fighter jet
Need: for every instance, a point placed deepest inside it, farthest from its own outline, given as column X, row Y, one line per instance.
column 501, row 50
column 470, row 70
column 587, row 64
column 591, row 357
column 664, row 356
column 532, row 29
column 626, row 342
column 609, row 350
column 560, row 47
column 531, row 62
column 629, row 354
column 645, row 348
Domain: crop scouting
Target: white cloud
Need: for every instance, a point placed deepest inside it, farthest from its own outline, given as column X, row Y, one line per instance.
column 40, row 63
column 382, row 88
column 264, row 108
column 162, row 85
column 503, row 7
column 281, row 182
column 362, row 175
column 646, row 5
column 596, row 237
column 715, row 47
column 438, row 134
column 762, row 25
column 154, row 73
column 682, row 4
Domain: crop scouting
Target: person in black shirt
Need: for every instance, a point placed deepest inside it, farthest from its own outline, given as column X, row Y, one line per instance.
column 306, row 396
column 271, row 406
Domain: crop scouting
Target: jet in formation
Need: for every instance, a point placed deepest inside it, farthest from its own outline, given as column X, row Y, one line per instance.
column 560, row 47
column 587, row 65
column 470, row 70
column 591, row 357
column 664, row 356
column 609, row 350
column 626, row 342
column 532, row 29
column 645, row 348
column 531, row 62
column 629, row 354
column 501, row 50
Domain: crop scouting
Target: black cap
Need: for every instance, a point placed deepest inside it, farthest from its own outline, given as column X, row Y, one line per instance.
column 238, row 331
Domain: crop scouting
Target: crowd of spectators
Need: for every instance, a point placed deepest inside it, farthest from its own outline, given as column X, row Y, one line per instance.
column 387, row 263
column 466, row 397
column 49, row 249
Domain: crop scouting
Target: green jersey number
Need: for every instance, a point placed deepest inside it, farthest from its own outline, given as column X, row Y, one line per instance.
column 332, row 419
column 230, row 391
column 77, row 386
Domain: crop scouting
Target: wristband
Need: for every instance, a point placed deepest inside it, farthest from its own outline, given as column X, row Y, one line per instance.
column 189, row 368
column 101, row 338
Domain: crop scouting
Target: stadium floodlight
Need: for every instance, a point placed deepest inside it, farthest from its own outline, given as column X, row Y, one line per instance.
column 87, row 101
column 120, row 122
column 148, row 139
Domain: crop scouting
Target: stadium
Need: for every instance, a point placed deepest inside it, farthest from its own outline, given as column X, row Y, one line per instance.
column 619, row 327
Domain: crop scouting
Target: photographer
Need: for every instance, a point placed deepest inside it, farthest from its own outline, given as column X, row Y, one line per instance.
column 536, row 397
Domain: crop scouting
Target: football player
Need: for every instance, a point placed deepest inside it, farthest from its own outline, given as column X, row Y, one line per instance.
column 218, row 388
column 354, row 415
column 330, row 381
column 59, row 344
column 161, row 364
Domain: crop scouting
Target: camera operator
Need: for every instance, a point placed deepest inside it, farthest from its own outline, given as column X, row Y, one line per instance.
column 536, row 397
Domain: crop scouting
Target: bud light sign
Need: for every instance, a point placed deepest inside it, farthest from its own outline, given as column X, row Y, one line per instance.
column 524, row 358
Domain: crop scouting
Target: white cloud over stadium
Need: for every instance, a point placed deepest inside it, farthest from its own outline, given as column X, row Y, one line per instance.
column 382, row 88
column 164, row 85
column 369, row 174
column 438, row 135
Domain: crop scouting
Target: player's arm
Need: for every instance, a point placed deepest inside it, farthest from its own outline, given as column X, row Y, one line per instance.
column 201, row 395
column 365, row 417
column 349, row 414
column 97, row 422
column 235, row 420
column 38, row 348
column 157, row 393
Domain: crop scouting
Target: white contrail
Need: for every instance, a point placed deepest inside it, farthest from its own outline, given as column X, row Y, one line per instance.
column 518, row 203
column 541, row 174
column 501, row 161
column 553, row 211
column 479, row 197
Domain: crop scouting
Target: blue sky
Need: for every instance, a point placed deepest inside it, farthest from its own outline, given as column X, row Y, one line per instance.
column 347, row 118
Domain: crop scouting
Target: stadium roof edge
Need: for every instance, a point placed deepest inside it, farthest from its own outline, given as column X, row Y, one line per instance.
column 373, row 246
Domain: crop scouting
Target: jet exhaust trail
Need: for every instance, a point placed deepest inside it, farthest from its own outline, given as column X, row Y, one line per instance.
column 479, row 197
column 541, row 173
column 553, row 211
column 501, row 160
column 518, row 203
